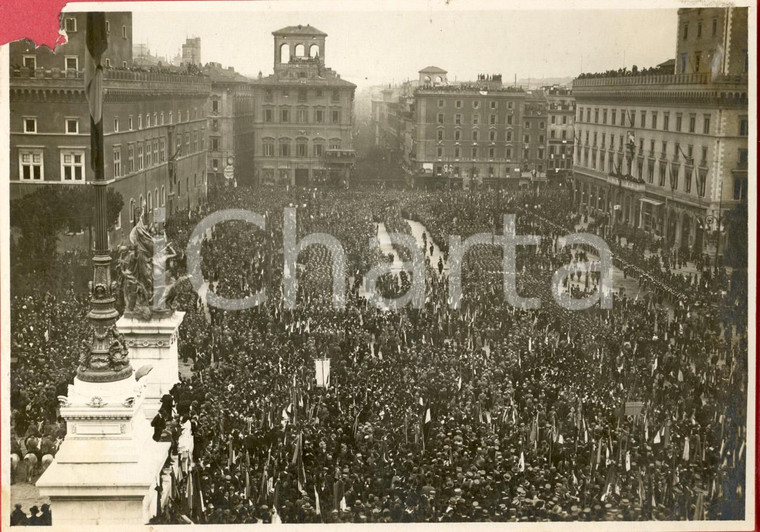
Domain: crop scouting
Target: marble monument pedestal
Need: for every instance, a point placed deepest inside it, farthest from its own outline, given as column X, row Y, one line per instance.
column 108, row 466
column 153, row 342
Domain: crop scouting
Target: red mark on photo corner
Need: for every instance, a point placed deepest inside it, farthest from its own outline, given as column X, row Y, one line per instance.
column 38, row 20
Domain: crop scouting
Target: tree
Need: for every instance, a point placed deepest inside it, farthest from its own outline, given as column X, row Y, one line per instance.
column 40, row 217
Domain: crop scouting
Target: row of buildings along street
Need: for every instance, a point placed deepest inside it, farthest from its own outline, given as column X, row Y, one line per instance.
column 662, row 149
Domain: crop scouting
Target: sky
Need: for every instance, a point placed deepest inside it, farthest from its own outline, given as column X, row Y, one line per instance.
column 370, row 47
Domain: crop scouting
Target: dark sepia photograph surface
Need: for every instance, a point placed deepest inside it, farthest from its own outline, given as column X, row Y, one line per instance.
column 279, row 263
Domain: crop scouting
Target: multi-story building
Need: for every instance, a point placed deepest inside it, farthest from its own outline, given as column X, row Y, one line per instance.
column 668, row 153
column 68, row 58
column 230, row 113
column 154, row 129
column 191, row 51
column 304, row 117
column 560, row 129
column 472, row 133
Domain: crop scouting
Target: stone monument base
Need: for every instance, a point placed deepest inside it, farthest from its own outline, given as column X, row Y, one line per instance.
column 108, row 466
column 153, row 342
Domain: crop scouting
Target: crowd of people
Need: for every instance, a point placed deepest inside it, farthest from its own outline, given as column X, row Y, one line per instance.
column 482, row 412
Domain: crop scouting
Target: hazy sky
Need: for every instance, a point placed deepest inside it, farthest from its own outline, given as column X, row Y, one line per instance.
column 371, row 47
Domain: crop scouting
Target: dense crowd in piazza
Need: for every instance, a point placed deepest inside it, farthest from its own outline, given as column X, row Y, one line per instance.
column 484, row 413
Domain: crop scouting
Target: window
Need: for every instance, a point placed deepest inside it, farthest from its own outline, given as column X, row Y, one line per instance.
column 439, row 134
column 139, row 157
column 458, row 119
column 155, row 151
column 30, row 124
column 474, row 153
column 541, row 153
column 697, row 60
column 302, row 115
column 108, row 63
column 714, row 26
column 319, row 116
column 476, row 104
column 613, row 117
column 653, row 125
column 439, row 152
column 123, row 32
column 108, row 26
column 335, row 96
column 526, row 139
column 215, row 164
column 457, row 152
column 692, row 123
column 457, row 134
column 162, row 118
column 148, row 155
column 475, row 135
column 335, row 144
column 440, row 118
column 301, row 147
column 72, row 126
column 685, row 31
column 492, row 119
column 71, row 62
column 541, row 139
column 564, row 134
column 155, row 119
column 458, row 104
column 706, row 125
column 526, row 125
column 541, row 125
column 740, row 188
column 526, row 154
column 665, row 121
column 554, row 119
column 509, row 135
column 510, row 105
column 116, row 124
column 130, row 158
column 494, row 104
column 147, row 120
column 440, row 102
column 509, row 120
column 643, row 119
column 679, row 118
column 319, row 149
column 30, row 62
column 604, row 116
column 492, row 135
column 171, row 117
column 214, row 106
column 268, row 148
column 117, row 162
column 335, row 116
column 509, row 152
column 71, row 25
column 743, row 126
column 284, row 148
column 195, row 142
column 163, row 195
column 475, row 119
column 215, row 144
column 139, row 121
column 30, row 165
column 72, row 165
column 268, row 115
column 596, row 116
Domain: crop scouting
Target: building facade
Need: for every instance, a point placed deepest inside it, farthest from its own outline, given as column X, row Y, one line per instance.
column 304, row 115
column 472, row 133
column 68, row 58
column 560, row 108
column 666, row 154
column 230, row 112
column 155, row 132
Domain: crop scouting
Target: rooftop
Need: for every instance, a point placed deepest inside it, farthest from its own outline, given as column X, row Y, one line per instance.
column 433, row 70
column 300, row 30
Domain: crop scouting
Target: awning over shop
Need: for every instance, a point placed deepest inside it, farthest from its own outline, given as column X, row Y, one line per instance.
column 651, row 201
